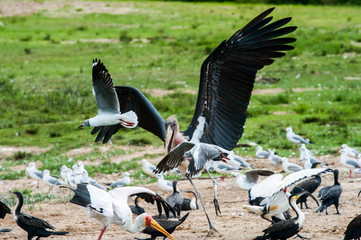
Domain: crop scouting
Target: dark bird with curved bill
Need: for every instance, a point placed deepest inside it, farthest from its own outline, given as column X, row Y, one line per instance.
column 136, row 209
column 35, row 227
column 168, row 224
column 191, row 202
column 330, row 195
column 107, row 101
column 353, row 230
column 227, row 78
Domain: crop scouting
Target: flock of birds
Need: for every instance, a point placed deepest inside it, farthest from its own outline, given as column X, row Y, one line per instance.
column 226, row 83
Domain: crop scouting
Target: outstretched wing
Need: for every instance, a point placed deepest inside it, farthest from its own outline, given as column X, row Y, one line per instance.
column 228, row 75
column 4, row 210
column 131, row 98
column 103, row 89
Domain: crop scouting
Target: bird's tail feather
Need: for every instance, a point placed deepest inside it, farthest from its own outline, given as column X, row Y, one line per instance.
column 129, row 119
column 253, row 209
column 59, row 233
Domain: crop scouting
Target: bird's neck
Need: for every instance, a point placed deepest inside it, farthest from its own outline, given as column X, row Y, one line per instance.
column 300, row 218
column 18, row 206
column 135, row 227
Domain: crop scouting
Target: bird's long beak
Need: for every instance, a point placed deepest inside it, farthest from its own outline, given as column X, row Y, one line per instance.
column 159, row 228
column 81, row 126
column 169, row 138
column 11, row 192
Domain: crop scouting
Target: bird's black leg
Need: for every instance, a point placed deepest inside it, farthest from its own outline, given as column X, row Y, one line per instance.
column 306, row 205
column 263, row 216
column 337, row 212
column 211, row 226
column 215, row 200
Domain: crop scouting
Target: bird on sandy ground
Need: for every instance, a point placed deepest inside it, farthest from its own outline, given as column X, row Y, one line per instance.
column 50, row 180
column 304, row 152
column 148, row 168
column 168, row 224
column 294, row 138
column 136, row 209
column 175, row 199
column 226, row 83
column 121, row 182
column 163, row 184
column 87, row 179
column 287, row 228
column 224, row 168
column 237, row 161
column 35, row 227
column 107, row 101
column 307, row 164
column 289, row 167
column 310, row 185
column 351, row 163
column 34, row 173
column 331, row 195
column 271, row 195
column 191, row 202
column 112, row 207
column 274, row 159
column 351, row 151
column 353, row 229
column 260, row 153
column 250, row 178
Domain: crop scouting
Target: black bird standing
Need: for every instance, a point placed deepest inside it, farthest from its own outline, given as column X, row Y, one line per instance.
column 35, row 227
column 287, row 228
column 331, row 195
column 190, row 203
column 168, row 225
column 136, row 209
column 175, row 200
column 353, row 230
column 309, row 185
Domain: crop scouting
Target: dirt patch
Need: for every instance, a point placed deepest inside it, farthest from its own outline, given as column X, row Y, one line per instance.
column 8, row 151
column 280, row 90
column 233, row 223
column 10, row 8
column 162, row 92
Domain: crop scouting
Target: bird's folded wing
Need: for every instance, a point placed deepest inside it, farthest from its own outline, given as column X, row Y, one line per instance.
column 34, row 221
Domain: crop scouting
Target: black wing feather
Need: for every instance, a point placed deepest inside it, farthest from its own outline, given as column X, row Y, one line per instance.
column 34, row 221
column 4, row 210
column 228, row 75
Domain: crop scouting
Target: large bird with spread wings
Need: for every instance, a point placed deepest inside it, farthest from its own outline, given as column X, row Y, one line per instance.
column 226, row 82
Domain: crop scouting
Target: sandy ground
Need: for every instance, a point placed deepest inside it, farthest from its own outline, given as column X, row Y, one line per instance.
column 233, row 223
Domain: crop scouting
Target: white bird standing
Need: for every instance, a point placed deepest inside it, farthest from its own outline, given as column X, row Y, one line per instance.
column 163, row 184
column 87, row 179
column 274, row 159
column 50, row 180
column 122, row 182
column 237, row 161
column 112, row 207
column 351, row 151
column 294, row 138
column 289, row 167
column 107, row 101
column 260, row 153
column 250, row 178
column 148, row 168
column 351, row 163
column 34, row 173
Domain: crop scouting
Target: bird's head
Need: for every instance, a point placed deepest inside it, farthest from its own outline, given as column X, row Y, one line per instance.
column 16, row 194
column 85, row 124
column 150, row 222
column 289, row 129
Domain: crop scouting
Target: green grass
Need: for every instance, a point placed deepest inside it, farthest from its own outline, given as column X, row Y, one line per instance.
column 45, row 76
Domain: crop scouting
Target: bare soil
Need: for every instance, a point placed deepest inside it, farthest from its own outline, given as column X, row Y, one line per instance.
column 233, row 223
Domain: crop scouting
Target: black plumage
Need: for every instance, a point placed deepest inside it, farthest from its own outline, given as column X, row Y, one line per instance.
column 136, row 209
column 331, row 195
column 167, row 224
column 4, row 210
column 353, row 230
column 35, row 227
column 226, row 83
column 310, row 185
column 190, row 203
column 287, row 228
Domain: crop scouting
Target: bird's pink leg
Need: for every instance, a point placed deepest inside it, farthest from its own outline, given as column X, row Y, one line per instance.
column 102, row 232
column 350, row 173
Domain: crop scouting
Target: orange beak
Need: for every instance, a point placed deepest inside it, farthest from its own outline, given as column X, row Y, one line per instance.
column 159, row 228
